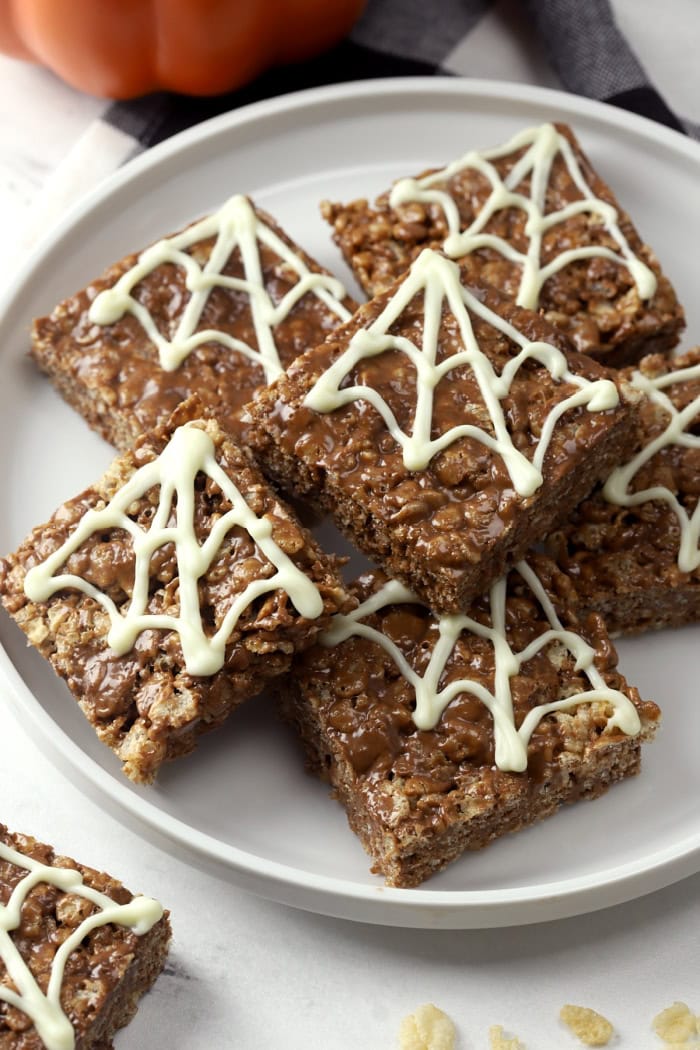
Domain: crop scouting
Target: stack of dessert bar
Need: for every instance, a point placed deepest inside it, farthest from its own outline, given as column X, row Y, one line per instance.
column 468, row 428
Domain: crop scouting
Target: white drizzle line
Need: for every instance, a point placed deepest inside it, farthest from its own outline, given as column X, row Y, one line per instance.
column 510, row 743
column 44, row 1010
column 438, row 278
column 235, row 224
column 543, row 144
column 189, row 451
column 616, row 488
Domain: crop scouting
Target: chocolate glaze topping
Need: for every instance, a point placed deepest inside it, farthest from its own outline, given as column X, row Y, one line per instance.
column 464, row 499
column 366, row 704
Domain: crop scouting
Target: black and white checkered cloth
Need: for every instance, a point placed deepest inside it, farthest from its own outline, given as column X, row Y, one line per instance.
column 580, row 39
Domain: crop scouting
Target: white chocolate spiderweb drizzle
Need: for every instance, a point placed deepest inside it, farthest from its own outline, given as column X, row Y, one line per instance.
column 234, row 225
column 431, row 700
column 44, row 1009
column 437, row 278
column 617, row 488
column 541, row 144
column 189, row 452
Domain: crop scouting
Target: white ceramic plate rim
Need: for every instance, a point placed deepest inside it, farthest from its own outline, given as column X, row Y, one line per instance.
column 324, row 894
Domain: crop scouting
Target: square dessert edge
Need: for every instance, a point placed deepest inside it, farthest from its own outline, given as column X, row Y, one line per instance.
column 420, row 742
column 170, row 591
column 118, row 946
column 215, row 310
column 589, row 273
column 443, row 474
column 631, row 547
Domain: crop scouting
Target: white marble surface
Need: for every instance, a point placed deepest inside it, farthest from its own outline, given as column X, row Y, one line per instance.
column 251, row 974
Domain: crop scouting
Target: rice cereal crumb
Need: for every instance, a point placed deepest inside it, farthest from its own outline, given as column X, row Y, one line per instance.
column 499, row 1041
column 427, row 1029
column 589, row 1026
column 676, row 1024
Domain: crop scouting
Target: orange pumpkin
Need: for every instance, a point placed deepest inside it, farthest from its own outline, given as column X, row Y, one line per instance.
column 126, row 48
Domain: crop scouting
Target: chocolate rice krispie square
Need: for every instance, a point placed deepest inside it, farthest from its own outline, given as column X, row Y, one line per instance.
column 81, row 930
column 444, row 429
column 216, row 310
column 632, row 547
column 540, row 225
column 440, row 734
column 170, row 591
